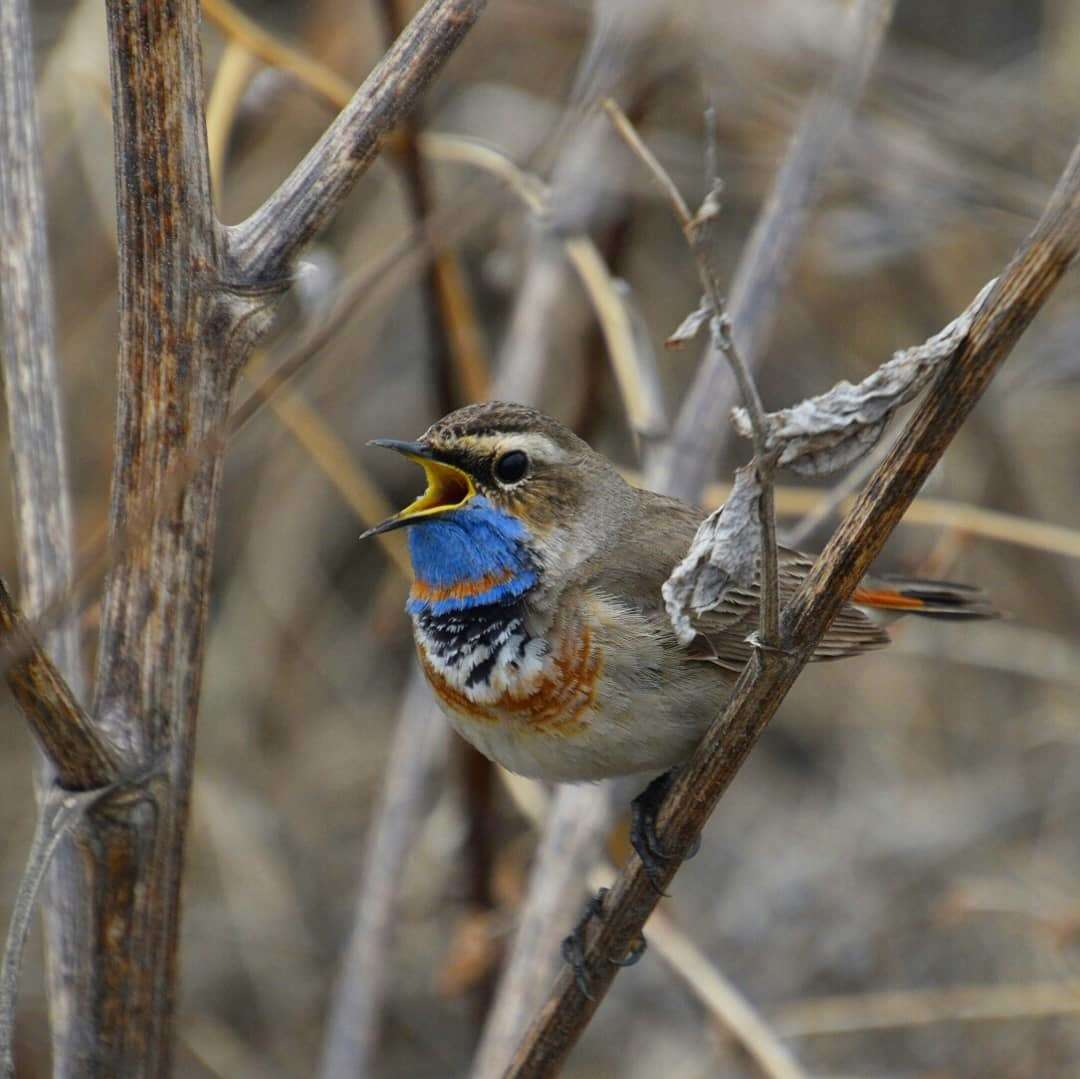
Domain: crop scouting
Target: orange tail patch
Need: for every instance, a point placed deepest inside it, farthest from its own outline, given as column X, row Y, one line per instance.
column 886, row 599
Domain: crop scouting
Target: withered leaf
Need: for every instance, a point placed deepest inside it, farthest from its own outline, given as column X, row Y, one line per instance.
column 723, row 556
column 710, row 206
column 690, row 326
column 825, row 433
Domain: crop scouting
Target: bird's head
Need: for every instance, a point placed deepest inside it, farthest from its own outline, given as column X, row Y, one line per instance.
column 514, row 501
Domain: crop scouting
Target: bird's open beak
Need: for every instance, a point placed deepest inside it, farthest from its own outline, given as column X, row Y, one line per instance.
column 448, row 487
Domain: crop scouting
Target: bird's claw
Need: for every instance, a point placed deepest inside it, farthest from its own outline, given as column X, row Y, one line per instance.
column 755, row 641
column 643, row 837
column 634, row 955
column 573, row 946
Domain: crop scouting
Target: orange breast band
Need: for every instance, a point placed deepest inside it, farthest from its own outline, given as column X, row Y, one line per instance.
column 556, row 704
column 467, row 589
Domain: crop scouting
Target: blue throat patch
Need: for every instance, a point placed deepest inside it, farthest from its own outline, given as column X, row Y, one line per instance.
column 469, row 557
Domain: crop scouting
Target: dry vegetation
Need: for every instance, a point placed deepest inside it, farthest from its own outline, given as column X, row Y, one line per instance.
column 894, row 881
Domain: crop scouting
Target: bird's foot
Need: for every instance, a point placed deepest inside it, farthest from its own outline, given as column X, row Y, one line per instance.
column 643, row 837
column 573, row 946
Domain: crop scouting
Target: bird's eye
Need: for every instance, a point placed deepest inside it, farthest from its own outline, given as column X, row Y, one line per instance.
column 512, row 466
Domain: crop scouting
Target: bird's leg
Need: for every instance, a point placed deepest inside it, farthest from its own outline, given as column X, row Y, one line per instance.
column 643, row 837
column 573, row 946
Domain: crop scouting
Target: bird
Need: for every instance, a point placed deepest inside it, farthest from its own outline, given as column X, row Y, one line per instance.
column 537, row 612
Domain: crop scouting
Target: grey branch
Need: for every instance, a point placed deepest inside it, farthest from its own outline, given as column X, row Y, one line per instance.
column 418, row 751
column 262, row 248
column 194, row 298
column 570, row 844
column 31, row 377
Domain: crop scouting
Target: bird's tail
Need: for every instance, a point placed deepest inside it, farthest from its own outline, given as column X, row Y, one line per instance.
column 931, row 599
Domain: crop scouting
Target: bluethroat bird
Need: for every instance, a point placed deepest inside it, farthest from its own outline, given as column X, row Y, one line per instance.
column 537, row 612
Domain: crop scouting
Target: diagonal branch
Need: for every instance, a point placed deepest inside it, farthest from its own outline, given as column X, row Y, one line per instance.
column 262, row 248
column 1020, row 292
column 77, row 752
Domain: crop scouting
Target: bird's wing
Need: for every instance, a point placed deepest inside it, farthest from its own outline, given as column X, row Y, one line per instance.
column 658, row 537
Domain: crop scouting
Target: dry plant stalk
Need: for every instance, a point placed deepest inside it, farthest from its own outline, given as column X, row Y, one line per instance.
column 194, row 299
column 1016, row 298
column 31, row 384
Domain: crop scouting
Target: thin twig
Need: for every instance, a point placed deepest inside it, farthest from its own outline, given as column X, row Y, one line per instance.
column 695, row 229
column 1019, row 294
column 682, row 467
column 59, row 810
column 659, row 173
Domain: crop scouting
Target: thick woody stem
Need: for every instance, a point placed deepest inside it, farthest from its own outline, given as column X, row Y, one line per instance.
column 190, row 312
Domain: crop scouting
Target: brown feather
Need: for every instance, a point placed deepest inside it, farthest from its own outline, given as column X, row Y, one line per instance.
column 657, row 536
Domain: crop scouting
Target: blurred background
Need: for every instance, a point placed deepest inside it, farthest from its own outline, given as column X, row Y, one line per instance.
column 894, row 879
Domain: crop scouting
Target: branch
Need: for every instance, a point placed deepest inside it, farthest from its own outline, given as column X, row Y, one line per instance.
column 766, row 261
column 42, row 499
column 262, row 248
column 1020, row 292
column 79, row 755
